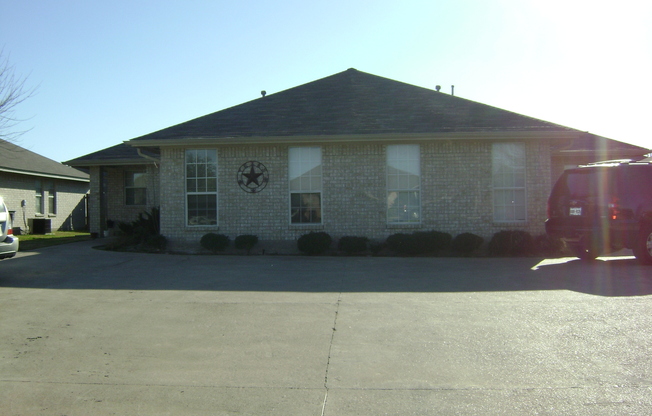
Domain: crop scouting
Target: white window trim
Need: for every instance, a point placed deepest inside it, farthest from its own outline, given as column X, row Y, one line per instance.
column 388, row 190
column 524, row 188
column 39, row 208
column 131, row 172
column 186, row 193
column 320, row 192
column 51, row 196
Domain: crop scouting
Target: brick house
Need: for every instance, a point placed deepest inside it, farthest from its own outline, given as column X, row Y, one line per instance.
column 349, row 154
column 39, row 189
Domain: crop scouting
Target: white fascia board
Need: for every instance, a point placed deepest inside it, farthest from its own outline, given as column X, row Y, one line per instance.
column 499, row 135
column 44, row 175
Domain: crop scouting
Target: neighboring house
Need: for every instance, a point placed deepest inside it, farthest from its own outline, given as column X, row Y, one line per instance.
column 349, row 154
column 39, row 189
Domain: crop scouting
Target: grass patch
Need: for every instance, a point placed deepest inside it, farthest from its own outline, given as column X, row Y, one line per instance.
column 36, row 241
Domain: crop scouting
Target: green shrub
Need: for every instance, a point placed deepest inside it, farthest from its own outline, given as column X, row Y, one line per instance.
column 511, row 243
column 126, row 228
column 351, row 245
column 466, row 243
column 156, row 242
column 314, row 242
column 245, row 242
column 419, row 242
column 214, row 242
column 148, row 223
column 401, row 243
column 376, row 247
column 142, row 234
column 432, row 241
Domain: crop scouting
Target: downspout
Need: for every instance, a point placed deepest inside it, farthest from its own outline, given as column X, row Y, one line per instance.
column 143, row 155
column 156, row 162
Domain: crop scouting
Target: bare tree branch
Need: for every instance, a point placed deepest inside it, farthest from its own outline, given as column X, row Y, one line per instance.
column 13, row 91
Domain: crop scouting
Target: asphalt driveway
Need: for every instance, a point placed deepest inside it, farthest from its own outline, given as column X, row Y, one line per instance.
column 84, row 332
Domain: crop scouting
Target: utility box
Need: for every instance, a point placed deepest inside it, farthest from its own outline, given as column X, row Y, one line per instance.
column 40, row 225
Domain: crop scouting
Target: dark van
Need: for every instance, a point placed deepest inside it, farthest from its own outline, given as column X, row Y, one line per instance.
column 604, row 207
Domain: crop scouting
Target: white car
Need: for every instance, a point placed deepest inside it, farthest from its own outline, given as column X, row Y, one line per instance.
column 8, row 243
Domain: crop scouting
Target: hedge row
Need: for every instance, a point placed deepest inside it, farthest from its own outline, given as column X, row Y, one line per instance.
column 143, row 234
column 417, row 243
column 503, row 243
column 219, row 242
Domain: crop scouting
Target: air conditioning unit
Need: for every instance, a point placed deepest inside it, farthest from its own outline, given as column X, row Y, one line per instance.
column 40, row 225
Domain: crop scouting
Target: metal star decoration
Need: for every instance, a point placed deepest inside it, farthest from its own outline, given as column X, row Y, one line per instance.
column 252, row 176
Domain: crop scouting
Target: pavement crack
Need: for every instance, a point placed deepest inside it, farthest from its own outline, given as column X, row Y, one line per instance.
column 323, row 406
column 330, row 347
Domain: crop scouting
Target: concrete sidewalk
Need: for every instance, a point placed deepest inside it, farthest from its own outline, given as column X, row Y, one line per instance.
column 126, row 333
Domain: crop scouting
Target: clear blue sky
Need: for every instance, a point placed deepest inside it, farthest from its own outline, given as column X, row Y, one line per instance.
column 110, row 71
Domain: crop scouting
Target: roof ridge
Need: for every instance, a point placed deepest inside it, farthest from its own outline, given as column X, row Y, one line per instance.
column 352, row 102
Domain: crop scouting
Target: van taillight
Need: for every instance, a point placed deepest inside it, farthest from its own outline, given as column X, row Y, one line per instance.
column 10, row 231
column 614, row 209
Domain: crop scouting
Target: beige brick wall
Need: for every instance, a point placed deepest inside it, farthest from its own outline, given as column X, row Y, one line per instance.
column 116, row 208
column 456, row 192
column 70, row 204
column 354, row 193
column 172, row 195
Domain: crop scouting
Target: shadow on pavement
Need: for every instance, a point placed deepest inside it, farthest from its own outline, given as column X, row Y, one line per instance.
column 78, row 266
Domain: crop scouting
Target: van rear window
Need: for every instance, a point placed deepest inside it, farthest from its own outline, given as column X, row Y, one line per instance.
column 589, row 184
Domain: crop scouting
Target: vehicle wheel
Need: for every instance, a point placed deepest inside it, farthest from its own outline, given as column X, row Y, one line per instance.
column 643, row 247
column 588, row 248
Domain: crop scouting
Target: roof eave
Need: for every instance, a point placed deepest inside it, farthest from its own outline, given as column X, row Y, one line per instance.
column 589, row 152
column 108, row 162
column 344, row 138
column 44, row 175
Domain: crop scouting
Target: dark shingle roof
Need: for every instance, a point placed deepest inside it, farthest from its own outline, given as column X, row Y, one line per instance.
column 597, row 148
column 120, row 154
column 598, row 143
column 352, row 103
column 16, row 159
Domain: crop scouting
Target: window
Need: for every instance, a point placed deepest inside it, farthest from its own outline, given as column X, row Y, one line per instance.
column 38, row 198
column 508, row 171
column 305, row 185
column 403, row 184
column 52, row 198
column 201, row 187
column 135, row 188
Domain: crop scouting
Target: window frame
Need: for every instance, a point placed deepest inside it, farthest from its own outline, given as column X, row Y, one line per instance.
column 50, row 188
column 309, row 185
column 198, row 182
column 509, row 178
column 402, row 155
column 131, row 174
column 39, row 198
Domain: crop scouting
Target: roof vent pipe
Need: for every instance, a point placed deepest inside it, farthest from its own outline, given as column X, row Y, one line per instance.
column 452, row 89
column 263, row 93
column 437, row 88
